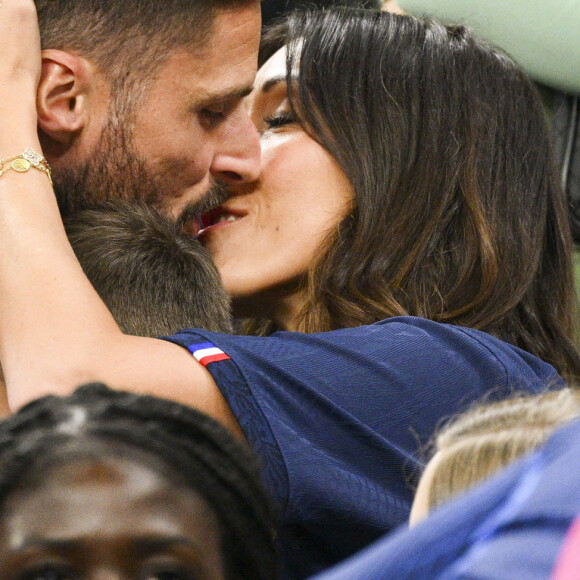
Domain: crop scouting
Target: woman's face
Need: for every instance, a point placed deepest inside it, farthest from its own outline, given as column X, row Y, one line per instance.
column 266, row 235
column 112, row 518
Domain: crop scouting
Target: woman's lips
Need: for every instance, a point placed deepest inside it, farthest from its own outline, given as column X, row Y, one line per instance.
column 217, row 218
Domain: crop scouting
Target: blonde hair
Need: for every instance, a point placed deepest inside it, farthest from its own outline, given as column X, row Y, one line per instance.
column 475, row 444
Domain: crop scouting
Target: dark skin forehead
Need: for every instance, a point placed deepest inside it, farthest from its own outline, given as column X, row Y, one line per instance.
column 114, row 512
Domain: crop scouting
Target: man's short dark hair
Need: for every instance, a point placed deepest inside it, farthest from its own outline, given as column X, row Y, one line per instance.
column 127, row 39
column 154, row 279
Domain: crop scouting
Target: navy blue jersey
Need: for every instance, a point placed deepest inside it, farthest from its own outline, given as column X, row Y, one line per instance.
column 516, row 525
column 338, row 418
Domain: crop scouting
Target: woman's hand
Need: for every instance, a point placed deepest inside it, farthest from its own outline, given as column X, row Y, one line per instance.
column 392, row 6
column 20, row 65
column 20, row 54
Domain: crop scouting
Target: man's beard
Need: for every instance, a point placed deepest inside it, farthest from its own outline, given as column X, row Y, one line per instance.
column 114, row 170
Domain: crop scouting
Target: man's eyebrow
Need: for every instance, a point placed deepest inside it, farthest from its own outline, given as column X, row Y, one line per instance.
column 207, row 97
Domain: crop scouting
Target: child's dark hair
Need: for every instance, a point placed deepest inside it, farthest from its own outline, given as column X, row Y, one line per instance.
column 192, row 448
column 154, row 279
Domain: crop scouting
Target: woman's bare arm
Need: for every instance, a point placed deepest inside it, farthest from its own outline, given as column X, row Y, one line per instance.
column 55, row 332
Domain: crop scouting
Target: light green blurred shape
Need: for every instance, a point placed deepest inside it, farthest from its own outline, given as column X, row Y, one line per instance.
column 542, row 35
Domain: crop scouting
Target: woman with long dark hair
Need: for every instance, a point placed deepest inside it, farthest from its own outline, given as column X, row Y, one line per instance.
column 456, row 212
column 406, row 181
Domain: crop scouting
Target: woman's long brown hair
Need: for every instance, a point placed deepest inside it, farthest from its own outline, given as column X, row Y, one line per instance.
column 459, row 216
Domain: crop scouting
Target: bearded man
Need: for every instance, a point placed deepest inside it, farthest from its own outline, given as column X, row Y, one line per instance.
column 142, row 99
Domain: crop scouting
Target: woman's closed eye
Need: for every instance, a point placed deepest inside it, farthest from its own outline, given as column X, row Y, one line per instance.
column 280, row 119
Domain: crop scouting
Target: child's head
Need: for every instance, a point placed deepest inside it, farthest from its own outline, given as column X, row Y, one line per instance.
column 477, row 443
column 129, row 483
column 154, row 279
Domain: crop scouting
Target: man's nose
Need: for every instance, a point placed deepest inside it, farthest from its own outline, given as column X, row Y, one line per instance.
column 237, row 151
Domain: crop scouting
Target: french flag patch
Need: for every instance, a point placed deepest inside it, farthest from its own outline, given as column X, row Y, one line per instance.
column 207, row 352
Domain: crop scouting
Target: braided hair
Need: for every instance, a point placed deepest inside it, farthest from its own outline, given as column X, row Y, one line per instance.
column 189, row 445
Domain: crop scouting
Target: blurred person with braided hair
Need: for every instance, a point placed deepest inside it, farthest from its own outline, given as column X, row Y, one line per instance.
column 142, row 487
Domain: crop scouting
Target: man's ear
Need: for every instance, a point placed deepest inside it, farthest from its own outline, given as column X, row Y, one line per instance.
column 62, row 95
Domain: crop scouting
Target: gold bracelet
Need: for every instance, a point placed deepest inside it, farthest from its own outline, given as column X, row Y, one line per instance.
column 23, row 162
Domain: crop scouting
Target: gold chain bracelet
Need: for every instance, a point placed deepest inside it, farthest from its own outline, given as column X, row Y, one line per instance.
column 23, row 162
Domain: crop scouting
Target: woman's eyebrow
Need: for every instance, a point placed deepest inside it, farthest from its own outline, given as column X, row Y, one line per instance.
column 272, row 82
